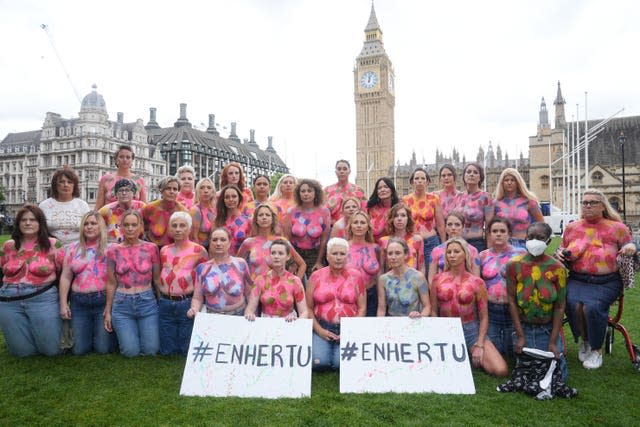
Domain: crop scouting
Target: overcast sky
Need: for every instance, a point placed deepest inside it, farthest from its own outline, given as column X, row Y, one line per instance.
column 467, row 72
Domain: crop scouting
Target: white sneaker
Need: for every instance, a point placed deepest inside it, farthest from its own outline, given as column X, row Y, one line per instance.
column 593, row 361
column 584, row 349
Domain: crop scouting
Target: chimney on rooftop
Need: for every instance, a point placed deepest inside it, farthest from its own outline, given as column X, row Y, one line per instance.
column 182, row 121
column 152, row 124
column 120, row 118
column 233, row 134
column 212, row 125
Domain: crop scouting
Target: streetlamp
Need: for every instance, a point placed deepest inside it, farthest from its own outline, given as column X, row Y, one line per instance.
column 622, row 139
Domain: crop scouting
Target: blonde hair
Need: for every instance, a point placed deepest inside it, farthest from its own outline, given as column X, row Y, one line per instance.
column 522, row 186
column 368, row 237
column 465, row 247
column 196, row 197
column 277, row 194
column 102, row 238
column 609, row 212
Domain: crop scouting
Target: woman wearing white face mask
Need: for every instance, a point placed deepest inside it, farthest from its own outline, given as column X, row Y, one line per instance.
column 536, row 288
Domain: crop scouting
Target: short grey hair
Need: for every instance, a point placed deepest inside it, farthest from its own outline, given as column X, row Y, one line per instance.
column 337, row 241
column 181, row 215
column 185, row 168
column 166, row 181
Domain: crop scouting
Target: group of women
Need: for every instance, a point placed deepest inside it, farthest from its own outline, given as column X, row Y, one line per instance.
column 133, row 275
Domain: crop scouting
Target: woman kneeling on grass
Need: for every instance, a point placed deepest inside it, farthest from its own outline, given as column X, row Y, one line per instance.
column 279, row 292
column 456, row 292
column 131, row 310
column 333, row 292
column 85, row 274
column 403, row 291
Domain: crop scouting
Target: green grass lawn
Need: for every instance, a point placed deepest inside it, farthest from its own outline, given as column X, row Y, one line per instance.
column 113, row 390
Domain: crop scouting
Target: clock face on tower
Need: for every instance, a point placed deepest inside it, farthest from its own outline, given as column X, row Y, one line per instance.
column 369, row 79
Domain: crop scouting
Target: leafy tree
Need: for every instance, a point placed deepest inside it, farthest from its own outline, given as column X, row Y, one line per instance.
column 274, row 180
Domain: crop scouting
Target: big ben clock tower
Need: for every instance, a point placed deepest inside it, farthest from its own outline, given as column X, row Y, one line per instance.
column 375, row 100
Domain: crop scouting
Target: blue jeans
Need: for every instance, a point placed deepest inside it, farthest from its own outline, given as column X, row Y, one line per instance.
column 501, row 328
column 175, row 326
column 87, row 324
column 326, row 354
column 537, row 336
column 372, row 301
column 135, row 321
column 33, row 325
column 596, row 298
column 429, row 243
column 470, row 331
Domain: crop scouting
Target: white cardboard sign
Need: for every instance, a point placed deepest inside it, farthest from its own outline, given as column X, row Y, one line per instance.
column 230, row 356
column 399, row 354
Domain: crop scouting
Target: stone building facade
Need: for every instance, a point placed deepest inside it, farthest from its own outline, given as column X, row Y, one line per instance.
column 208, row 152
column 374, row 92
column 546, row 148
column 86, row 144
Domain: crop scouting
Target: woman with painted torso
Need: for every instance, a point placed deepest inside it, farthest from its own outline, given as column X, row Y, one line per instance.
column 278, row 292
column 203, row 212
column 124, row 158
column 456, row 292
column 84, row 273
column 364, row 256
column 477, row 207
column 223, row 284
column 131, row 309
column 384, row 196
column 400, row 224
column 402, row 291
column 333, row 292
column 425, row 211
column 230, row 216
column 29, row 306
column 177, row 277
